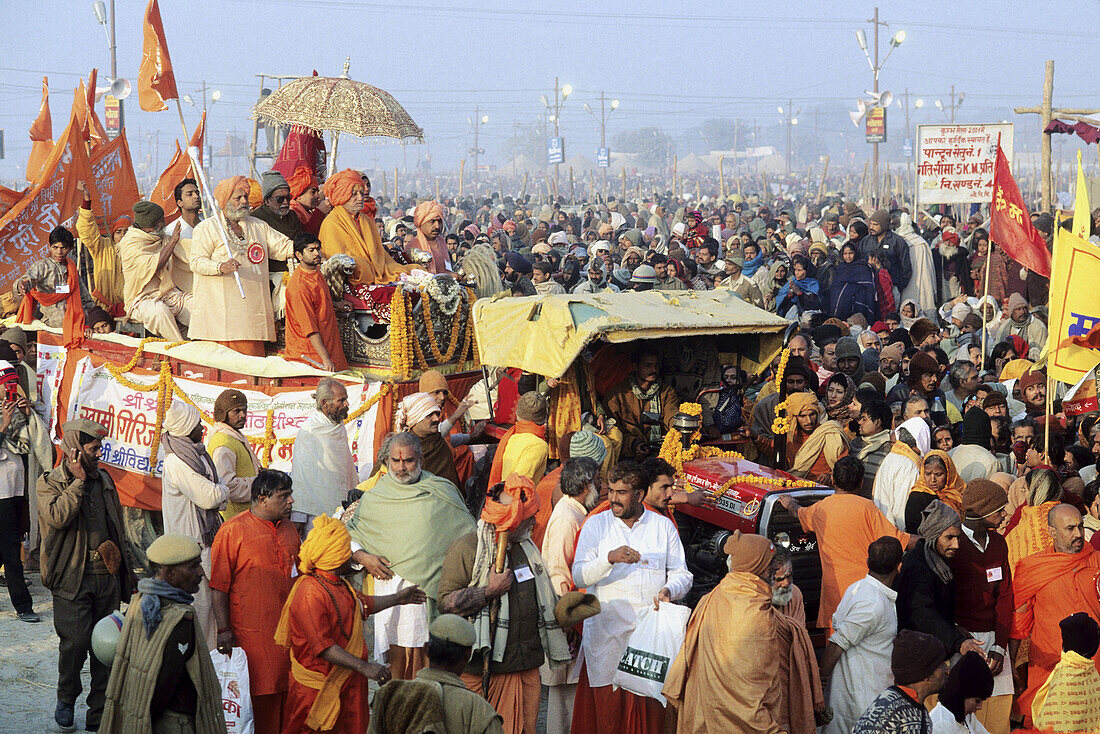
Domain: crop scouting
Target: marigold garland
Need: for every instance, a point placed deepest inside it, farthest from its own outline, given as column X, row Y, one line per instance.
column 456, row 326
column 782, row 482
column 673, row 452
column 782, row 422
column 783, row 359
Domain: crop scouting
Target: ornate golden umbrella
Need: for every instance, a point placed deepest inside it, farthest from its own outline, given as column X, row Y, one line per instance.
column 338, row 104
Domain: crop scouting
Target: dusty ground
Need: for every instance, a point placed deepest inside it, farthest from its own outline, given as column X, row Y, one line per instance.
column 28, row 668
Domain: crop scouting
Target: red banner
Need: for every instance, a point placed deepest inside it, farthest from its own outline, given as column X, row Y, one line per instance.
column 115, row 183
column 54, row 199
column 1010, row 223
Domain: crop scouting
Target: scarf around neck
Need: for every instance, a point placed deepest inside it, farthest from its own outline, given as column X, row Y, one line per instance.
column 152, row 591
column 195, row 456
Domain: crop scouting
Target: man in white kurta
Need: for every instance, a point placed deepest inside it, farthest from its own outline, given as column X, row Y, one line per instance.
column 579, row 480
column 323, row 470
column 191, row 498
column 222, row 315
column 630, row 558
column 864, row 627
column 899, row 471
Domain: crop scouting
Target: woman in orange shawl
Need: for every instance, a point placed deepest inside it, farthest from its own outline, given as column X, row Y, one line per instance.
column 345, row 231
column 937, row 479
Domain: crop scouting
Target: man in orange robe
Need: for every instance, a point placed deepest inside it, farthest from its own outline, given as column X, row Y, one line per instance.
column 322, row 624
column 1047, row 587
column 726, row 676
column 348, row 231
column 306, row 200
column 428, row 220
column 311, row 330
column 252, row 562
column 845, row 522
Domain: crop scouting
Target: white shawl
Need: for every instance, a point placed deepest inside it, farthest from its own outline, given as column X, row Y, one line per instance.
column 322, row 469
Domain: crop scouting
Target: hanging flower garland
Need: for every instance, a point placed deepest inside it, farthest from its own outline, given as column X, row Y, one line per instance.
column 674, row 453
column 781, row 482
column 400, row 348
column 782, row 422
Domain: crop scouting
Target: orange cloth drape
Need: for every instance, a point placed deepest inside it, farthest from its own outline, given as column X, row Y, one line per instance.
column 611, row 709
column 545, row 491
column 498, row 458
column 359, row 238
column 74, row 309
column 1030, row 535
column 515, row 696
column 1047, row 587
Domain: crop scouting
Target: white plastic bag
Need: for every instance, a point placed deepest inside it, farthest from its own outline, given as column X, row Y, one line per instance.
column 232, row 672
column 654, row 644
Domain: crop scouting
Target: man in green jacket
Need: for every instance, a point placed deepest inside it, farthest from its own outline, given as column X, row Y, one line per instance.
column 85, row 562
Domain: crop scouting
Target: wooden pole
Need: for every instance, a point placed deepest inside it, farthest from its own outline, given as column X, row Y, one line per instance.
column 437, row 189
column 981, row 306
column 524, row 192
column 697, row 189
column 722, row 175
column 821, row 187
column 675, row 167
column 1044, row 120
column 739, row 186
column 461, row 175
column 572, row 187
column 623, row 174
column 395, row 184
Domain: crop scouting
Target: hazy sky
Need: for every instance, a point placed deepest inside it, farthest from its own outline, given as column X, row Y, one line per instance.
column 671, row 65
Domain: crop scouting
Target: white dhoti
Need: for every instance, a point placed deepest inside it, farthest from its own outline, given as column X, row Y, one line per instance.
column 163, row 316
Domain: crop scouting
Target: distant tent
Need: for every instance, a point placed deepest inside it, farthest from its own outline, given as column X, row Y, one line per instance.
column 692, row 163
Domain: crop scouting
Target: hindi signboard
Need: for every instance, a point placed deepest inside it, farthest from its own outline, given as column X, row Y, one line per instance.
column 955, row 162
column 876, row 125
column 555, row 151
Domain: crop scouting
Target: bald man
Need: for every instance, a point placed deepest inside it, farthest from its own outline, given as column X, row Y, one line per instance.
column 1048, row 587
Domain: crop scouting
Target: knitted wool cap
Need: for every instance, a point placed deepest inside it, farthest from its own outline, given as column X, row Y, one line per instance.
column 147, row 214
column 916, row 656
column 981, row 498
column 532, row 407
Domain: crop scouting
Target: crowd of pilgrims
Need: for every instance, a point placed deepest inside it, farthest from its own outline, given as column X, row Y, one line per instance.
column 958, row 588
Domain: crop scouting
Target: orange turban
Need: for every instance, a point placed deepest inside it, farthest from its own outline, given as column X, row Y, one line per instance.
column 524, row 504
column 424, row 212
column 301, row 181
column 255, row 193
column 338, row 188
column 226, row 187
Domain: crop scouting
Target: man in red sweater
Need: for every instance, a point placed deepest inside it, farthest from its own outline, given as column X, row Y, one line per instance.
column 983, row 605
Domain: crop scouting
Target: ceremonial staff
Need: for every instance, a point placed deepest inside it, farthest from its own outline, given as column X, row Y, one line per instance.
column 211, row 206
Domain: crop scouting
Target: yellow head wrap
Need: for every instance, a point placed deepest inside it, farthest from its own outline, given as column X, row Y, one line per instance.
column 327, row 546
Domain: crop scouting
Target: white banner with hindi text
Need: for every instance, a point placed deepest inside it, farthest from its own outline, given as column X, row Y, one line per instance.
column 955, row 162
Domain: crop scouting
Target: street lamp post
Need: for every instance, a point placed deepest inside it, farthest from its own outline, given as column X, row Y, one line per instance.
column 876, row 67
column 477, row 121
column 602, row 119
column 100, row 11
column 215, row 95
column 791, row 121
column 561, row 93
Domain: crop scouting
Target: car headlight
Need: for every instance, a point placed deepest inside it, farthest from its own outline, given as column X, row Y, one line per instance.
column 782, row 539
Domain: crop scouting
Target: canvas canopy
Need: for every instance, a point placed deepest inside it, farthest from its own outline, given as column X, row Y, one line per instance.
column 544, row 334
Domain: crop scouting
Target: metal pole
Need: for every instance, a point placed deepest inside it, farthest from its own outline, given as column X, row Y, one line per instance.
column 874, row 155
column 789, row 103
column 114, row 66
column 603, row 140
column 477, row 128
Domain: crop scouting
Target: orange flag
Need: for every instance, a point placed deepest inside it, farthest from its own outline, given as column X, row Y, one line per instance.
column 179, row 169
column 84, row 112
column 9, row 198
column 156, row 80
column 54, row 199
column 41, row 135
column 116, row 189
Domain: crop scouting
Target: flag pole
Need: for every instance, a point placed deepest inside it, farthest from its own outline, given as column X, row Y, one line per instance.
column 985, row 298
column 186, row 137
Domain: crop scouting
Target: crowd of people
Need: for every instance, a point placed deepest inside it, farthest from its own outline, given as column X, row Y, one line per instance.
column 958, row 570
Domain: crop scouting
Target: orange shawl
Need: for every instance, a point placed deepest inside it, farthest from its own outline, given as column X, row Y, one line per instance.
column 951, row 494
column 1030, row 536
column 359, row 238
column 74, row 309
column 498, row 457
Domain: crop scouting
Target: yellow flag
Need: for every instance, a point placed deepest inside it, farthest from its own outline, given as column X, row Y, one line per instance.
column 1074, row 308
column 1082, row 214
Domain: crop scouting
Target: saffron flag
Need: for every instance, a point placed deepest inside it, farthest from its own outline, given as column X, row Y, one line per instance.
column 54, row 199
column 1010, row 223
column 9, row 198
column 116, row 189
column 84, row 112
column 156, row 80
column 41, row 136
column 1074, row 308
column 1082, row 214
column 180, row 168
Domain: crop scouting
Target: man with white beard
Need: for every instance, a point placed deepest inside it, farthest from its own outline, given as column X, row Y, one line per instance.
column 241, row 325
column 148, row 291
